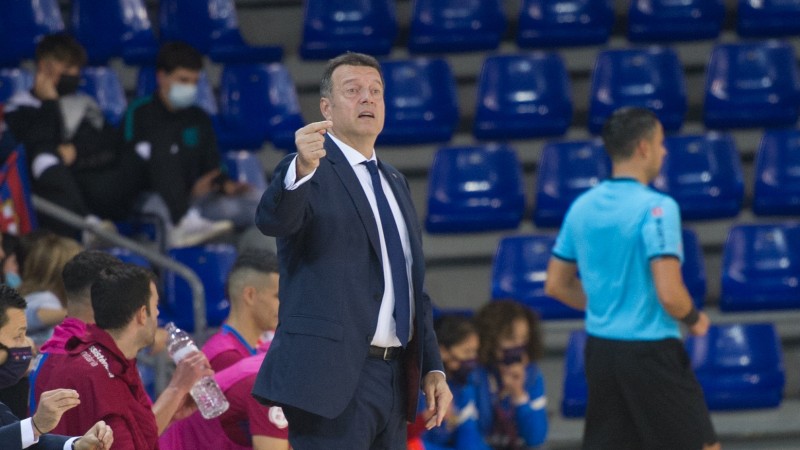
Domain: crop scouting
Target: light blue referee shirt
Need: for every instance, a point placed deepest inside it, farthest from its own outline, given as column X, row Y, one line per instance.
column 612, row 232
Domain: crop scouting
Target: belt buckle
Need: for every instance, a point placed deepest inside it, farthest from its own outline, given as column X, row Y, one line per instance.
column 386, row 353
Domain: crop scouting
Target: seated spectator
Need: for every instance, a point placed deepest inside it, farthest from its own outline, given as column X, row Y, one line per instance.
column 74, row 155
column 511, row 397
column 15, row 356
column 458, row 344
column 42, row 285
column 253, row 293
column 177, row 149
column 101, row 365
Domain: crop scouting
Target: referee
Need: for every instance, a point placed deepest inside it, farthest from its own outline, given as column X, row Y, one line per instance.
column 625, row 240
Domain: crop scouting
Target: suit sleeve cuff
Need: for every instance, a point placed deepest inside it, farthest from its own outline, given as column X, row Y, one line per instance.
column 68, row 444
column 441, row 372
column 290, row 181
column 26, row 428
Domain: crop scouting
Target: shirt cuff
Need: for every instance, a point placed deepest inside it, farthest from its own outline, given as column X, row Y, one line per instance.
column 441, row 372
column 26, row 428
column 68, row 444
column 290, row 181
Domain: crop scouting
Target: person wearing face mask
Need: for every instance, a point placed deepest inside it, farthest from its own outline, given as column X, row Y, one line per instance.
column 177, row 151
column 511, row 397
column 458, row 345
column 73, row 152
column 15, row 357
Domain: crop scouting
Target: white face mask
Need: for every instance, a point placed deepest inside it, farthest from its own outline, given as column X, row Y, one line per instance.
column 182, row 95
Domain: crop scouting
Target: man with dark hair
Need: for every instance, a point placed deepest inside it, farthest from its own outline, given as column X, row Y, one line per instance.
column 177, row 148
column 625, row 240
column 15, row 356
column 253, row 294
column 101, row 365
column 73, row 153
column 355, row 342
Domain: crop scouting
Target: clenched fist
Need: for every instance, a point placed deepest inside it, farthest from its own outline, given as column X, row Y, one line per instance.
column 310, row 142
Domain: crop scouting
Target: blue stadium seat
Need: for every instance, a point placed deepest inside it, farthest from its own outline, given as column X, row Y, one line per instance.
column 127, row 256
column 761, row 268
column 703, row 174
column 104, row 85
column 332, row 27
column 566, row 170
column 564, row 23
column 244, row 167
column 751, row 85
column 651, row 78
column 212, row 27
column 777, row 185
column 211, row 263
column 114, row 28
column 693, row 269
column 146, row 85
column 22, row 24
column 475, row 189
column 257, row 102
column 576, row 392
column 439, row 26
column 739, row 366
column 519, row 271
column 13, row 80
column 671, row 20
column 421, row 102
column 523, row 96
column 768, row 18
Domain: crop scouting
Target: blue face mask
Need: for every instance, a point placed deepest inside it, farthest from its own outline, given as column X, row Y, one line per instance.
column 182, row 95
column 13, row 280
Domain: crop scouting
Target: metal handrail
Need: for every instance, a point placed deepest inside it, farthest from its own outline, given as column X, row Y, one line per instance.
column 198, row 291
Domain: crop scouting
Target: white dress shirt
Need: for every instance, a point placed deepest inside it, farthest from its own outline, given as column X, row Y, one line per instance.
column 26, row 428
column 385, row 332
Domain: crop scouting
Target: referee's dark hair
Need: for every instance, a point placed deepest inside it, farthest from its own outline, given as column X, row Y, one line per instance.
column 625, row 128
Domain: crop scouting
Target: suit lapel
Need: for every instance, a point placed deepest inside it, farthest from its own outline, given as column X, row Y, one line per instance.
column 341, row 166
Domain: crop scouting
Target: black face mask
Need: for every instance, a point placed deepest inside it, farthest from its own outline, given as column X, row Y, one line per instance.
column 513, row 355
column 17, row 363
column 461, row 375
column 68, row 84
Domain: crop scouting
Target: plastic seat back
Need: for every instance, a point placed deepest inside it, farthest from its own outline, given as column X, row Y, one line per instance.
column 475, row 189
column 332, row 27
column 114, row 28
column 651, row 78
column 104, row 85
column 768, row 18
column 751, row 85
column 439, row 26
column 421, row 102
column 13, row 81
column 519, row 271
column 523, row 96
column 739, row 366
column 244, row 167
column 693, row 268
column 547, row 23
column 761, row 268
column 674, row 20
column 566, row 170
column 22, row 24
column 777, row 185
column 576, row 392
column 703, row 173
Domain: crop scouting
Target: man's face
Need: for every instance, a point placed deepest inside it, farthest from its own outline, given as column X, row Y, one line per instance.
column 12, row 334
column 267, row 302
column 355, row 105
column 151, row 324
column 178, row 76
column 656, row 152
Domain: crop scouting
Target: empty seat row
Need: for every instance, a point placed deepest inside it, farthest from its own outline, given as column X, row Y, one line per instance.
column 739, row 366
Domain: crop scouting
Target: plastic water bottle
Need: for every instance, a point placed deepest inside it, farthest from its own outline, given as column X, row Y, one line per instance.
column 211, row 402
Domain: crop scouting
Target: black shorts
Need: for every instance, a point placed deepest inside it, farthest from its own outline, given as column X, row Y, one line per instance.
column 643, row 395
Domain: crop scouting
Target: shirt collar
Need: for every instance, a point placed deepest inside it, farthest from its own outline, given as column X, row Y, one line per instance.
column 354, row 157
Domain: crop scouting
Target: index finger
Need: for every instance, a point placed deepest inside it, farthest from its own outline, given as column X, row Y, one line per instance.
column 315, row 127
column 58, row 394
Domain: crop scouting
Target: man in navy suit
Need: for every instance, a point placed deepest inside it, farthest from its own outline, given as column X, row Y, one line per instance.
column 355, row 340
column 15, row 353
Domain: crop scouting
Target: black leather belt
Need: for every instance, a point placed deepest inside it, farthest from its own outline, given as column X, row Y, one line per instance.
column 385, row 353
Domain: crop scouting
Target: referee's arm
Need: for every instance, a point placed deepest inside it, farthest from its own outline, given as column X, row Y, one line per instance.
column 563, row 284
column 673, row 295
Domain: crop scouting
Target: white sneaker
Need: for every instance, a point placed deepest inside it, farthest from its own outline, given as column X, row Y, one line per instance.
column 194, row 229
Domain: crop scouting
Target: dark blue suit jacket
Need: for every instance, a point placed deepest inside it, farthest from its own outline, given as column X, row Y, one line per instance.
column 11, row 436
column 331, row 287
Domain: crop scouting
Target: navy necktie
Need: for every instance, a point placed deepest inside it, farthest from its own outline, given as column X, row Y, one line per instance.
column 397, row 258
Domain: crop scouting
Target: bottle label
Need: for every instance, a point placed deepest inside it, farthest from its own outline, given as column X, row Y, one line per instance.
column 184, row 352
